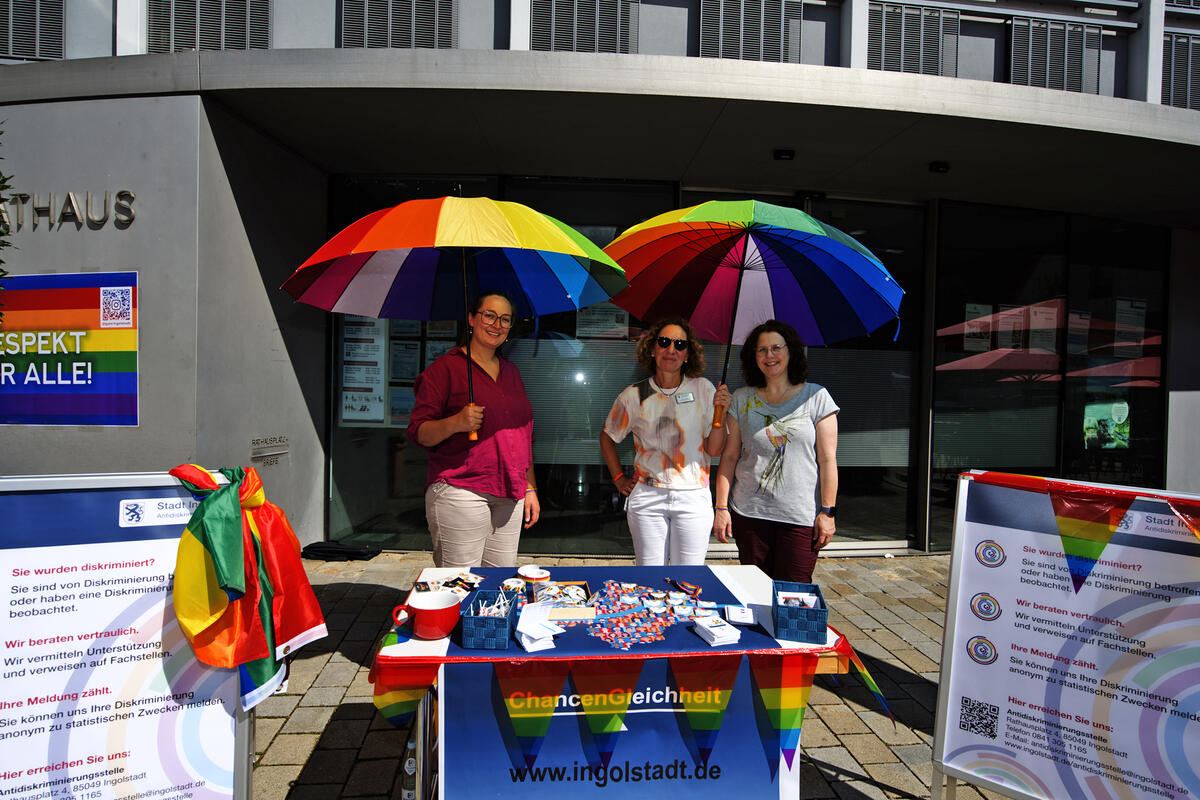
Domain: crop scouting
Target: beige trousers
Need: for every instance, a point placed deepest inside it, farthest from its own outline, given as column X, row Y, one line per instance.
column 472, row 529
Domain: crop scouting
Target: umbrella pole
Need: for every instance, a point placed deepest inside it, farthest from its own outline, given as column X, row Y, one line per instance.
column 473, row 435
column 719, row 411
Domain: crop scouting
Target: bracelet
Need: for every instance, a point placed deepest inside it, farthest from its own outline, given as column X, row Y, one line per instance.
column 531, row 489
column 618, row 476
column 720, row 508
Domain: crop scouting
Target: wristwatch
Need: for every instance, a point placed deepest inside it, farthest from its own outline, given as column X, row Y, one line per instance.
column 831, row 511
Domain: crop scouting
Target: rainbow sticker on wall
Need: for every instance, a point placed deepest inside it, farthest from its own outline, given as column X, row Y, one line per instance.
column 69, row 349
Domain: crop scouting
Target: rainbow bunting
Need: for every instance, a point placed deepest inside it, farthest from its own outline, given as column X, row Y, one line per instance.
column 871, row 684
column 1086, row 520
column 705, row 685
column 531, row 690
column 1188, row 511
column 398, row 695
column 784, row 684
column 69, row 349
column 605, row 688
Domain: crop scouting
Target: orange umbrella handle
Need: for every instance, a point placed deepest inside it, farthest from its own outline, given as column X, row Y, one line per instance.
column 718, row 415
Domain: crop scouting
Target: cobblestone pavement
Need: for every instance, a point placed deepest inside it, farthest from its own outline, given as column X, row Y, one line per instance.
column 323, row 738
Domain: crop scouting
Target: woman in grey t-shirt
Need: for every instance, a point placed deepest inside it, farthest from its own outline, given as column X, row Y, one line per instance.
column 776, row 487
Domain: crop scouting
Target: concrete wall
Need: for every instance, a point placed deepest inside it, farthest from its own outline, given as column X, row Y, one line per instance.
column 146, row 146
column 304, row 23
column 1183, row 365
column 261, row 358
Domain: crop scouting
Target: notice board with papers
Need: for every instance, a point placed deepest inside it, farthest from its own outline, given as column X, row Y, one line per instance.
column 1071, row 658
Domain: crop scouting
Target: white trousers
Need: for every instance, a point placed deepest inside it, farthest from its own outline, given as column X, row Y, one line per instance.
column 472, row 529
column 669, row 526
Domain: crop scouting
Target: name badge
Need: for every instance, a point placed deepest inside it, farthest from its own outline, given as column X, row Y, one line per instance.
column 686, row 397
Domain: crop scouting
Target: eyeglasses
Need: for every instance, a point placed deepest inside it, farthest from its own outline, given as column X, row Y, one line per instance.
column 491, row 318
column 773, row 350
column 680, row 344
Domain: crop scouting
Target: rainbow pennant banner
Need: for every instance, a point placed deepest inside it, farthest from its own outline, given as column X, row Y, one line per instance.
column 69, row 349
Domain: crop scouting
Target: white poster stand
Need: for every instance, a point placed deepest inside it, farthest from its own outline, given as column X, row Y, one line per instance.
column 1070, row 666
column 101, row 694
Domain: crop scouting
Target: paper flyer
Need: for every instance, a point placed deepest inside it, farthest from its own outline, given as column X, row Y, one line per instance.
column 101, row 695
column 1073, row 665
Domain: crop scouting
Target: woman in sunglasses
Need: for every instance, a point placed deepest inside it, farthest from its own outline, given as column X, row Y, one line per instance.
column 780, row 457
column 670, row 415
column 477, row 494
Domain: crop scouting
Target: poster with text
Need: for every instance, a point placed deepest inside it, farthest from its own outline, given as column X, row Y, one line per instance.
column 1071, row 666
column 69, row 349
column 101, row 694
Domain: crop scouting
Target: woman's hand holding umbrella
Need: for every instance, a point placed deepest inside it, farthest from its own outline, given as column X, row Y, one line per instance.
column 469, row 419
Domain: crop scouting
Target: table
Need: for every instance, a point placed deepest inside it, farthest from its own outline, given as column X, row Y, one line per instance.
column 666, row 714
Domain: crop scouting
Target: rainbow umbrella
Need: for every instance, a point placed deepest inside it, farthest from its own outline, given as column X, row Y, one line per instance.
column 727, row 266
column 422, row 259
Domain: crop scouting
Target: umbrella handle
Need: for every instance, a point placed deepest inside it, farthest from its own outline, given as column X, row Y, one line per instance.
column 718, row 415
column 472, row 436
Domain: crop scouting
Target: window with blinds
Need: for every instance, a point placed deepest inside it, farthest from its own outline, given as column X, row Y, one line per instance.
column 176, row 26
column 31, row 29
column 751, row 30
column 1181, row 71
column 429, row 24
column 1055, row 55
column 915, row 39
column 584, row 26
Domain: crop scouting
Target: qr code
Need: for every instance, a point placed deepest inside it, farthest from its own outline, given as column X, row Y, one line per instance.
column 116, row 307
column 978, row 717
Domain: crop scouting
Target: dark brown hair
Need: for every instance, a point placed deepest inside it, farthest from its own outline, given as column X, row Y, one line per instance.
column 693, row 367
column 797, row 360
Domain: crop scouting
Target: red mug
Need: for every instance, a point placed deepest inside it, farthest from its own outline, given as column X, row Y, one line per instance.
column 434, row 614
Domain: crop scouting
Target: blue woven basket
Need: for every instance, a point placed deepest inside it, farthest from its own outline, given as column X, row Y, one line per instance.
column 796, row 623
column 488, row 633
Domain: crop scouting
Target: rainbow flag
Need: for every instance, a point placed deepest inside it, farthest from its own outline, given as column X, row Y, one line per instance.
column 605, row 687
column 69, row 349
column 705, row 685
column 1188, row 511
column 399, row 693
column 1086, row 520
column 530, row 690
column 871, row 684
column 784, row 684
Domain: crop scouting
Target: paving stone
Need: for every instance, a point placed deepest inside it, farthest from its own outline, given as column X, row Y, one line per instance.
column 277, row 705
column 315, row 791
column 897, row 780
column 384, row 744
column 915, row 660
column 858, row 790
column 273, row 783
column 340, row 674
column 867, row 748
column 914, row 754
column 812, row 783
column 324, row 696
column 328, row 766
column 835, row 763
column 303, row 671
column 371, row 777
column 308, row 720
column 815, row 733
column 289, row 749
column 265, row 730
column 842, row 720
column 891, row 734
column 344, row 733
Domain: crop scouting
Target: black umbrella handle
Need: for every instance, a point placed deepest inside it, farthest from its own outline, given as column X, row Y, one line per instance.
column 719, row 411
column 472, row 435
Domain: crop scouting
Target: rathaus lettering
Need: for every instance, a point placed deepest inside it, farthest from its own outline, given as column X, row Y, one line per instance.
column 23, row 211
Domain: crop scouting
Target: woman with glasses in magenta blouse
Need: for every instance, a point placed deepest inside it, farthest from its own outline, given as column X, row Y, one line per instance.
column 477, row 494
column 670, row 414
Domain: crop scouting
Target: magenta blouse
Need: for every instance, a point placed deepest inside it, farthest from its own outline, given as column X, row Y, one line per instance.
column 498, row 462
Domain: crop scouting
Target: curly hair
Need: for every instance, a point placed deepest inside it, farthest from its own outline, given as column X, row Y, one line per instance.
column 797, row 360
column 693, row 367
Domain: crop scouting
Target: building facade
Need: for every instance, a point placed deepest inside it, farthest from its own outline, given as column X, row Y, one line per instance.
column 1027, row 171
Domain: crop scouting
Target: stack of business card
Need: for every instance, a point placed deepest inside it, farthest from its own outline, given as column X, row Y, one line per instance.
column 716, row 631
column 739, row 615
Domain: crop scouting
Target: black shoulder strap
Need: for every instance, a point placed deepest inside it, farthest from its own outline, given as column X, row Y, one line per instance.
column 645, row 390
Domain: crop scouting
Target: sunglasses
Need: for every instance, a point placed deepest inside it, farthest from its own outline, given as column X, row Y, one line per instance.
column 680, row 344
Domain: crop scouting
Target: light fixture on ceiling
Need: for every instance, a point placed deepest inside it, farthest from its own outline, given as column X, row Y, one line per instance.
column 784, row 154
